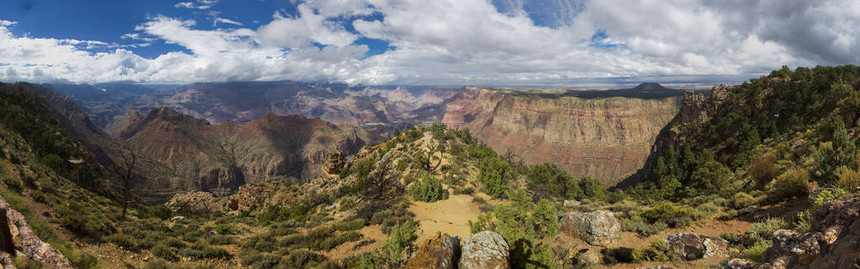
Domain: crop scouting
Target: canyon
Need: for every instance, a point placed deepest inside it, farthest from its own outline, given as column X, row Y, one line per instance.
column 607, row 135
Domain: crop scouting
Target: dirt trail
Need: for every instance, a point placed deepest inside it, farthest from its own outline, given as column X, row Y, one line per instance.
column 449, row 216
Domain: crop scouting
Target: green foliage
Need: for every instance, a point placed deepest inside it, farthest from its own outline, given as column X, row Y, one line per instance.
column 200, row 250
column 438, row 130
column 493, row 171
column 849, row 179
column 164, row 252
column 673, row 215
column 157, row 264
column 792, row 183
column 763, row 168
column 224, row 228
column 427, row 189
column 161, row 212
column 275, row 213
column 520, row 223
column 54, row 162
column 548, row 180
column 592, row 189
column 742, row 200
column 833, row 155
column 754, row 253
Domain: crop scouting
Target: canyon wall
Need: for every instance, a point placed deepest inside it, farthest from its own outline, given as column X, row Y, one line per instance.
column 609, row 138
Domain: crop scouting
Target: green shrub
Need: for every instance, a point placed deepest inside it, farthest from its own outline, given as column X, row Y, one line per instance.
column 224, row 229
column 24, row 263
column 332, row 242
column 792, row 183
column 427, row 189
column 849, row 179
column 302, row 259
column 742, row 200
column 222, row 240
column 638, row 225
column 548, row 180
column 592, row 189
column 161, row 212
column 123, row 241
column 754, row 253
column 260, row 243
column 164, row 252
column 156, row 264
column 674, row 216
column 763, row 168
column 766, row 228
column 349, row 225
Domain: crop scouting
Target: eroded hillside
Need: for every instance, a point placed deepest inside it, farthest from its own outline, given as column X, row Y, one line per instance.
column 220, row 158
column 609, row 138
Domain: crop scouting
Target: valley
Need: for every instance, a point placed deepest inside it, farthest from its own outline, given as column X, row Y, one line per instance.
column 746, row 176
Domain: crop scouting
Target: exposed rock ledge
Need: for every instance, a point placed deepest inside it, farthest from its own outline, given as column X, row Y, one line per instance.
column 17, row 239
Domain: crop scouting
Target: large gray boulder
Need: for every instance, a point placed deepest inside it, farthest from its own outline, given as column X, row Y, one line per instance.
column 597, row 228
column 695, row 246
column 439, row 252
column 486, row 249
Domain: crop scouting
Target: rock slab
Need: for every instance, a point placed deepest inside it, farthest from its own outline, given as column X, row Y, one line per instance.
column 695, row 246
column 439, row 252
column 597, row 228
column 485, row 250
column 26, row 242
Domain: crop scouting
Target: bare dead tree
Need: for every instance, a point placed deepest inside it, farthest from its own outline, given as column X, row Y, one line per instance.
column 126, row 174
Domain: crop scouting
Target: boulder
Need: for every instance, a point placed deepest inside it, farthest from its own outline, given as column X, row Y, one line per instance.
column 588, row 257
column 486, row 249
column 741, row 264
column 597, row 228
column 695, row 246
column 439, row 252
column 571, row 203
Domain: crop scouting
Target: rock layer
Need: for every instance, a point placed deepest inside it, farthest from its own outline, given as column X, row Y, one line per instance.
column 608, row 138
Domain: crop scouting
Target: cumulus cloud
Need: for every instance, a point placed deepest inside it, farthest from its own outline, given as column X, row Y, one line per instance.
column 461, row 42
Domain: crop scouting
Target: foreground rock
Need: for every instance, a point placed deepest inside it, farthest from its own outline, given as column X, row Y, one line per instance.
column 439, row 252
column 486, row 249
column 837, row 245
column 14, row 230
column 695, row 246
column 597, row 228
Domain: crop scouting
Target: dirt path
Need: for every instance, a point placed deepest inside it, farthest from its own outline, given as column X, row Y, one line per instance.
column 449, row 216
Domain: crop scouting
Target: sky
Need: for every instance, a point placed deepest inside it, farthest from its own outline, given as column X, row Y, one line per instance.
column 451, row 42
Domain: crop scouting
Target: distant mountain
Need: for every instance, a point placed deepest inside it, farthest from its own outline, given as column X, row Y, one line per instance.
column 220, row 158
column 375, row 108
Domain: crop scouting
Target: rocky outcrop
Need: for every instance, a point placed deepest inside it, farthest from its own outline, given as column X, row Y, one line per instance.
column 24, row 241
column 439, row 252
column 695, row 246
column 608, row 138
column 334, row 163
column 597, row 228
column 837, row 245
column 486, row 249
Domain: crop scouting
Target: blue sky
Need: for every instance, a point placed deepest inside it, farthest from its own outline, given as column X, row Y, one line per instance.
column 418, row 41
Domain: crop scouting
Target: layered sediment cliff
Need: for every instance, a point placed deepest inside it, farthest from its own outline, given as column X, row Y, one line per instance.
column 608, row 136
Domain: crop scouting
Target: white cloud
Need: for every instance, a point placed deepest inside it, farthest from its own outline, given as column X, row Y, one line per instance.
column 198, row 4
column 462, row 42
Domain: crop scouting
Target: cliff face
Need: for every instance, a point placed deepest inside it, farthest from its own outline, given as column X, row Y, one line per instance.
column 220, row 158
column 608, row 138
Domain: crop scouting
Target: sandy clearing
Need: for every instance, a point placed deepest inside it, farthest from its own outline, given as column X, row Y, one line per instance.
column 368, row 233
column 449, row 216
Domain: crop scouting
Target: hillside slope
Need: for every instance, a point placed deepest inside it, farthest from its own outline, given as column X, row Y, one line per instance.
column 220, row 158
column 608, row 138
